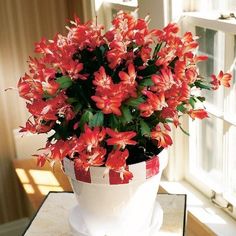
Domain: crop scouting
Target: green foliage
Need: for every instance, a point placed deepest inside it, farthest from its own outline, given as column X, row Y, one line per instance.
column 201, row 85
column 65, row 82
column 156, row 50
column 134, row 102
column 97, row 119
column 85, row 118
column 184, row 131
column 146, row 82
column 145, row 129
column 126, row 115
column 181, row 108
column 192, row 102
column 201, row 99
column 148, row 71
column 114, row 122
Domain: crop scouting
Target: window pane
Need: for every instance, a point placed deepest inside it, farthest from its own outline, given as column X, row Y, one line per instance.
column 231, row 4
column 213, row 5
column 231, row 108
column 232, row 160
column 207, row 147
column 214, row 51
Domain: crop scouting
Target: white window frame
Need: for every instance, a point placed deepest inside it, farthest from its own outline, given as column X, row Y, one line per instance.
column 188, row 22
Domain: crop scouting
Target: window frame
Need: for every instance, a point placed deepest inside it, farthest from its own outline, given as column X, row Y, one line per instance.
column 188, row 22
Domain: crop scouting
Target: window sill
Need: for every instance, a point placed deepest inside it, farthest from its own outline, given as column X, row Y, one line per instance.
column 203, row 217
column 210, row 20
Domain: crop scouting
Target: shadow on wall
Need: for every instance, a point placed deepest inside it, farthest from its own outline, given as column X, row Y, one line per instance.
column 22, row 23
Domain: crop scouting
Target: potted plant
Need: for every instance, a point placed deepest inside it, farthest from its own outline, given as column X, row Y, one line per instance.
column 110, row 98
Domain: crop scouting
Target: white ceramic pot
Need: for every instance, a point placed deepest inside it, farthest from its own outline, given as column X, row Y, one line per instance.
column 111, row 208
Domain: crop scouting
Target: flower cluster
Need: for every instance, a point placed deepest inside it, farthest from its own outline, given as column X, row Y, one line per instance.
column 110, row 96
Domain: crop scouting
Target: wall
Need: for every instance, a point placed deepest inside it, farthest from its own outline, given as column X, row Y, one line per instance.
column 22, row 23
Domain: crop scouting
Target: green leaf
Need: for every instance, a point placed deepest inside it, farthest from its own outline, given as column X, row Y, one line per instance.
column 201, row 99
column 149, row 70
column 146, row 82
column 103, row 49
column 192, row 102
column 126, row 115
column 184, row 131
column 156, row 50
column 198, row 84
column 134, row 102
column 113, row 122
column 85, row 118
column 46, row 95
column 138, row 61
column 65, row 82
column 72, row 100
column 97, row 120
column 181, row 108
column 77, row 107
column 168, row 120
column 145, row 129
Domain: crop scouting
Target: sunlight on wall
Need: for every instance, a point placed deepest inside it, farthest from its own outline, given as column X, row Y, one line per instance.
column 38, row 180
column 28, row 188
column 22, row 175
column 44, row 177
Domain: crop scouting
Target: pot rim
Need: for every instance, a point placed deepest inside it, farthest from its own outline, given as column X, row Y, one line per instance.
column 95, row 174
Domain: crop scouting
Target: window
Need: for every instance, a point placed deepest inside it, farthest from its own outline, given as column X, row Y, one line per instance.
column 104, row 10
column 212, row 142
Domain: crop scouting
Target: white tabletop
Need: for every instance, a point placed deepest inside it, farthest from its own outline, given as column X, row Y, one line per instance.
column 52, row 217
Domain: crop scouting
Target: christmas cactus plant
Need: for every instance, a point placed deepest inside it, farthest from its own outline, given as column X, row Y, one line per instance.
column 110, row 96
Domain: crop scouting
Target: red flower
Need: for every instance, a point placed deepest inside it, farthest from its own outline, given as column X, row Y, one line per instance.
column 165, row 56
column 199, row 113
column 57, row 150
column 171, row 28
column 221, row 79
column 145, row 53
column 39, row 126
column 101, row 79
column 124, row 22
column 108, row 104
column 90, row 139
column 200, row 58
column 29, row 89
column 128, row 81
column 163, row 81
column 48, row 110
column 116, row 161
column 41, row 160
column 155, row 102
column 161, row 135
column 130, row 77
column 171, row 113
column 184, row 93
column 120, row 139
column 143, row 37
column 116, row 53
column 94, row 158
column 51, row 86
column 43, row 47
